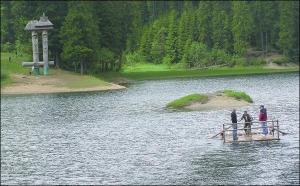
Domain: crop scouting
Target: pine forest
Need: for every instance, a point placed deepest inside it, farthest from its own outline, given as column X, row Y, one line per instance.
column 92, row 37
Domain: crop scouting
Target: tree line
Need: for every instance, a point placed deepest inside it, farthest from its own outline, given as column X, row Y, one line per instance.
column 98, row 36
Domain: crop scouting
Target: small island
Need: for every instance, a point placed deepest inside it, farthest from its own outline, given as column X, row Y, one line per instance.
column 212, row 101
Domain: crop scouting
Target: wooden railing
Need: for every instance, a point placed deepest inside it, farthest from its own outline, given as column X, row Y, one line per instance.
column 273, row 126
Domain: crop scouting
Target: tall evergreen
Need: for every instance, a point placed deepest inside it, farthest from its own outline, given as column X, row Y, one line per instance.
column 171, row 42
column 286, row 34
column 242, row 25
column 204, row 16
column 79, row 36
column 220, row 26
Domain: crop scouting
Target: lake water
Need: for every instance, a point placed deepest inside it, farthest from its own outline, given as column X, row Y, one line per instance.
column 129, row 137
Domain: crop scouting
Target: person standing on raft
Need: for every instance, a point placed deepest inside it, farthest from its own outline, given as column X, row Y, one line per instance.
column 262, row 117
column 234, row 124
column 248, row 121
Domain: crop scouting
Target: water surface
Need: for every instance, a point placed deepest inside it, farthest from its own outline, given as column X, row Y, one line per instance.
column 129, row 137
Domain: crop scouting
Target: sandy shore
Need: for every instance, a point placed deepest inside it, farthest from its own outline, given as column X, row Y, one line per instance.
column 37, row 89
column 25, row 84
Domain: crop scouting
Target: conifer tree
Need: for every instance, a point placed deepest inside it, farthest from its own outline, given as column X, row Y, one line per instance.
column 242, row 25
column 79, row 36
column 286, row 34
column 171, row 42
column 204, row 15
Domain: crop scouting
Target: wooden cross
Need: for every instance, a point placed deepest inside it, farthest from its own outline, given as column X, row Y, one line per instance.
column 37, row 65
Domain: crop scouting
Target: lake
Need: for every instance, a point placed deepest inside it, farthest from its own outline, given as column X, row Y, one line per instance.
column 129, row 137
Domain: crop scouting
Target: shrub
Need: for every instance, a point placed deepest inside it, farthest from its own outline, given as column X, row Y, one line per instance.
column 167, row 60
column 240, row 62
column 281, row 60
column 135, row 57
column 3, row 75
column 7, row 47
column 197, row 54
column 258, row 61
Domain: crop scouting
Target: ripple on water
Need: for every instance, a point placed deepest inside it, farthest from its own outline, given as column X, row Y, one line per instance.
column 129, row 137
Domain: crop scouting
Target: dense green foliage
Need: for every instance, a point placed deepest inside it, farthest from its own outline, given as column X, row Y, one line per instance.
column 99, row 36
column 238, row 95
column 187, row 100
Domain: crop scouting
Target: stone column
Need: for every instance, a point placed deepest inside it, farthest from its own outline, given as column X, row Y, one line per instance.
column 45, row 53
column 35, row 49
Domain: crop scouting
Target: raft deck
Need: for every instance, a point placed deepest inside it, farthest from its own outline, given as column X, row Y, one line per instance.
column 254, row 135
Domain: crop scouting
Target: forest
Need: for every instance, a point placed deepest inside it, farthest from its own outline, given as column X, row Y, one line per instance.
column 93, row 37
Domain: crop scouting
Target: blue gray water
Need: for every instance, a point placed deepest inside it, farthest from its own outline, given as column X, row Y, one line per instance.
column 129, row 137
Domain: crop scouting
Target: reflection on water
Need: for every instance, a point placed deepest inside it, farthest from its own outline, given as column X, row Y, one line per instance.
column 129, row 137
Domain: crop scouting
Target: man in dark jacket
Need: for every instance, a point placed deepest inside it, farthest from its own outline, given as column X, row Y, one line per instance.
column 248, row 119
column 234, row 124
column 262, row 117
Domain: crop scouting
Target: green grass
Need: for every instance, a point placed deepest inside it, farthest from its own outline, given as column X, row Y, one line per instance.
column 147, row 75
column 69, row 79
column 138, row 71
column 238, row 95
column 281, row 60
column 146, row 67
column 73, row 80
column 187, row 100
column 15, row 66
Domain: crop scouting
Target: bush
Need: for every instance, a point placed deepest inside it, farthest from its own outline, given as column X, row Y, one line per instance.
column 281, row 60
column 3, row 75
column 135, row 57
column 167, row 60
column 197, row 54
column 239, row 62
column 7, row 47
column 258, row 61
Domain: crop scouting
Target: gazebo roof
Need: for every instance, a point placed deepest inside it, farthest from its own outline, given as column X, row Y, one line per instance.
column 42, row 24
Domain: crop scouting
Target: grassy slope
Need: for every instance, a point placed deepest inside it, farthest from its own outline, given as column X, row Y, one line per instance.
column 64, row 78
column 15, row 66
column 141, row 71
column 145, row 75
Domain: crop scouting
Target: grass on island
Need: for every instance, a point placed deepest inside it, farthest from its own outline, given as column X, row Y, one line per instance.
column 187, row 100
column 202, row 98
column 238, row 95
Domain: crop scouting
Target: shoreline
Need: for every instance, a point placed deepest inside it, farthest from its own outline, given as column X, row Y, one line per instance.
column 44, row 89
column 25, row 84
column 57, row 83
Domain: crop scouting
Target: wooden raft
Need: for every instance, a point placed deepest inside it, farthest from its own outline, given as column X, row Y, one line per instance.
column 254, row 135
column 251, row 137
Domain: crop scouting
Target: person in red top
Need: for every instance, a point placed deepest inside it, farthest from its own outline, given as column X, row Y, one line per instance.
column 262, row 117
